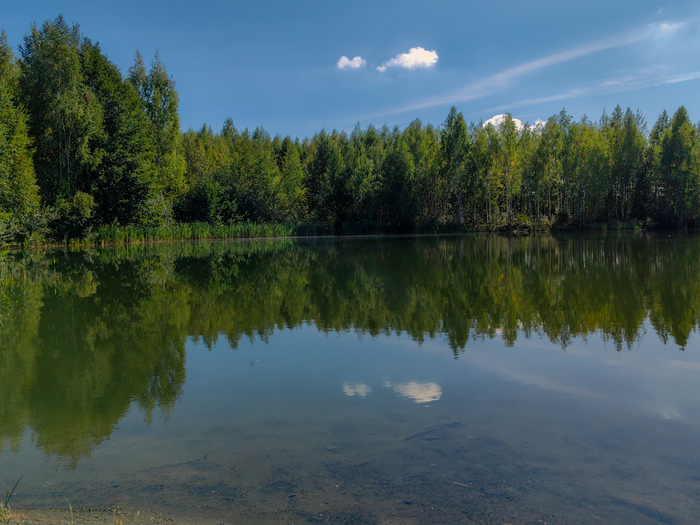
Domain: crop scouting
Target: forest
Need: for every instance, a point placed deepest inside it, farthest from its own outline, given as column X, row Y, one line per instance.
column 86, row 153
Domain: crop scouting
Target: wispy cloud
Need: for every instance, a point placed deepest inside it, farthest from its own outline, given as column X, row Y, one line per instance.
column 416, row 58
column 683, row 77
column 508, row 78
column 604, row 88
column 665, row 29
column 346, row 63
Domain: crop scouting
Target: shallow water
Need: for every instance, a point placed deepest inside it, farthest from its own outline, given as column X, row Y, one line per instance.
column 410, row 380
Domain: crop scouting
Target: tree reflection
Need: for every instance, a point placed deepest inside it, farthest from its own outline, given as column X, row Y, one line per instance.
column 86, row 334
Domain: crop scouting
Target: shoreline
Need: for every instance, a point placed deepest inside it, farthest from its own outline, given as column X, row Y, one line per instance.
column 150, row 236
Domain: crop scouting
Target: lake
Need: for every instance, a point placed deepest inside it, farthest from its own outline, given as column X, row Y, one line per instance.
column 455, row 379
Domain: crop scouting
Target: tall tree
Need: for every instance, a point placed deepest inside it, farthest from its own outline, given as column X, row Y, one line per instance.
column 324, row 166
column 160, row 102
column 527, row 146
column 453, row 146
column 587, row 164
column 627, row 144
column 478, row 167
column 550, row 158
column 19, row 193
column 510, row 163
column 679, row 167
column 399, row 197
column 424, row 147
column 8, row 64
column 654, row 208
column 65, row 117
column 292, row 192
column 126, row 173
column 361, row 176
column 254, row 177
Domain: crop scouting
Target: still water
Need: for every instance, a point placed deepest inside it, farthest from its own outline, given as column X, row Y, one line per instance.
column 475, row 379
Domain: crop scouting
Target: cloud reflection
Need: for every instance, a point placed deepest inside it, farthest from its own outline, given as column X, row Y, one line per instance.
column 418, row 392
column 356, row 389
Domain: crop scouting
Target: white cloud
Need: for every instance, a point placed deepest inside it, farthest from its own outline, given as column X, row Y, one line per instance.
column 497, row 120
column 416, row 58
column 346, row 63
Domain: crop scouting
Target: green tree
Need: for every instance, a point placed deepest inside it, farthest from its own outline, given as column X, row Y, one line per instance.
column 587, row 164
column 679, row 166
column 423, row 143
column 160, row 103
column 479, row 161
column 253, row 178
column 65, row 117
column 510, row 164
column 454, row 142
column 8, row 65
column 627, row 145
column 549, row 162
column 292, row 191
column 655, row 208
column 19, row 193
column 527, row 145
column 324, row 166
column 398, row 194
column 125, row 175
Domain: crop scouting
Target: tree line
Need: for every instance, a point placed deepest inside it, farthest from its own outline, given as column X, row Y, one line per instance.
column 82, row 147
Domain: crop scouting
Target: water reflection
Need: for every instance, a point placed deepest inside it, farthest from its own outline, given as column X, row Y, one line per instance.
column 418, row 392
column 86, row 335
column 356, row 389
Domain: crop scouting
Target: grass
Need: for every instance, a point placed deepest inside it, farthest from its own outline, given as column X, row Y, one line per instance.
column 181, row 231
column 130, row 234
column 5, row 511
column 71, row 511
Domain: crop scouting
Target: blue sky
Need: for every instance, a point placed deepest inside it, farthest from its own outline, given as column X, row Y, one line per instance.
column 276, row 64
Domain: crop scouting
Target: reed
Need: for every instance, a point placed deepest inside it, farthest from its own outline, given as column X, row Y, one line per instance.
column 114, row 234
column 5, row 511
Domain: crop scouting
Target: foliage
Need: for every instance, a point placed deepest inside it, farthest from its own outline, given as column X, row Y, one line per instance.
column 160, row 102
column 19, row 193
column 74, row 216
column 109, row 150
column 126, row 176
column 65, row 116
column 679, row 169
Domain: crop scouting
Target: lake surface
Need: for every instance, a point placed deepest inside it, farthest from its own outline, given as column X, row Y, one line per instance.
column 479, row 379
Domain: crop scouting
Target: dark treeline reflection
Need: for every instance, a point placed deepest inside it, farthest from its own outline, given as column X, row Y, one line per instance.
column 84, row 334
